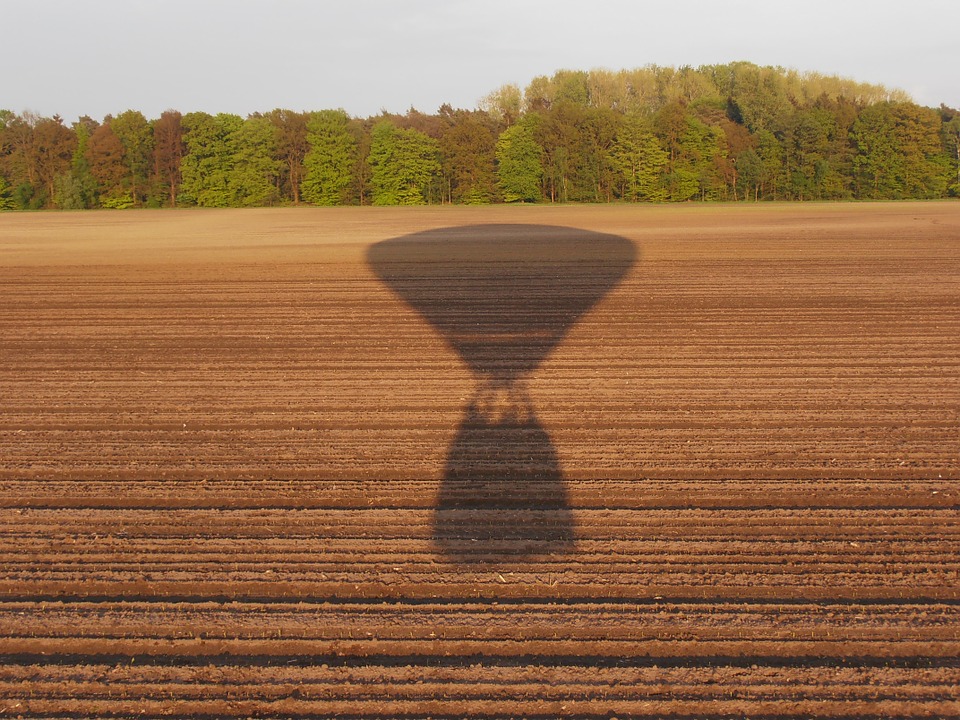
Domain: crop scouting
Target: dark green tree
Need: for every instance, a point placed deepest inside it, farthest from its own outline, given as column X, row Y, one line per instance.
column 770, row 152
column 599, row 178
column 749, row 173
column 468, row 148
column 7, row 201
column 809, row 142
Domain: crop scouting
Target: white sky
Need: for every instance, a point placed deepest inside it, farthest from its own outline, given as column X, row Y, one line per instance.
column 102, row 57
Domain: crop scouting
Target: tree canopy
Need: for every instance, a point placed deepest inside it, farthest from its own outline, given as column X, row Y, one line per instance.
column 732, row 132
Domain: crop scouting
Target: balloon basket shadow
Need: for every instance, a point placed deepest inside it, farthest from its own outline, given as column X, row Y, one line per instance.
column 503, row 496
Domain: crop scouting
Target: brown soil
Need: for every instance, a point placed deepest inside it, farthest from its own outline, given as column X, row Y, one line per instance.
column 680, row 462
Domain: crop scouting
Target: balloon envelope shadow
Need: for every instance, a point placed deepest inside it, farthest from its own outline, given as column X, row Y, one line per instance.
column 503, row 296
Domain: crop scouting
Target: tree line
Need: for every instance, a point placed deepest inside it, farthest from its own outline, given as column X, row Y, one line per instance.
column 734, row 132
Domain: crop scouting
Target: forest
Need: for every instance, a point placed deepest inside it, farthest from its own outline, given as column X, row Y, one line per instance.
column 733, row 132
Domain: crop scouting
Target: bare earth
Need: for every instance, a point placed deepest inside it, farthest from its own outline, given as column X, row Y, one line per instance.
column 685, row 462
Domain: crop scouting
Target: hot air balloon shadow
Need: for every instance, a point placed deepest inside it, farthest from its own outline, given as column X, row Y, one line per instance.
column 504, row 297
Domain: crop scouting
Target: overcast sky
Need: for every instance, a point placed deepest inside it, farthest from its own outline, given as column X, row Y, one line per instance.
column 102, row 57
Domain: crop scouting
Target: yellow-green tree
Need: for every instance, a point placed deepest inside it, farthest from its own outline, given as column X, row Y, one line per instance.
column 899, row 154
column 640, row 159
column 253, row 180
column 329, row 163
column 519, row 162
column 210, row 159
column 404, row 163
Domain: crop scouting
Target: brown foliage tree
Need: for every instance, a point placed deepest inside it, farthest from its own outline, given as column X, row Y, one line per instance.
column 51, row 151
column 167, row 154
column 105, row 158
column 292, row 148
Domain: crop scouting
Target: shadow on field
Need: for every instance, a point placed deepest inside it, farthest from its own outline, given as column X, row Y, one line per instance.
column 504, row 297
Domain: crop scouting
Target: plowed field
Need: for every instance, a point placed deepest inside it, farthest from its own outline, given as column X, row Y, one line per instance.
column 655, row 462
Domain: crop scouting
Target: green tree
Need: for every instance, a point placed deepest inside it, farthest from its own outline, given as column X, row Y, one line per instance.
column 770, row 152
column 404, row 162
column 640, row 160
column 329, row 163
column 210, row 158
column 253, row 178
column 519, row 162
column 925, row 170
column 899, row 152
column 136, row 136
column 691, row 147
column 877, row 164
